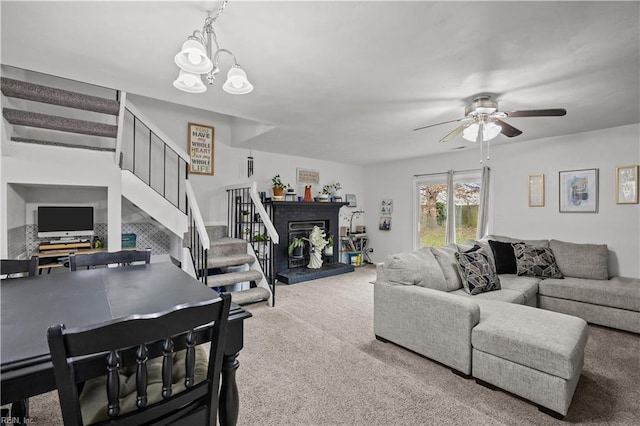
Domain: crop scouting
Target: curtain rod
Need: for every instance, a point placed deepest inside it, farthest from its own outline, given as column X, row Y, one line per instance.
column 444, row 173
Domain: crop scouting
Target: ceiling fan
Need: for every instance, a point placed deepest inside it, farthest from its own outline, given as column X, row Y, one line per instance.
column 482, row 121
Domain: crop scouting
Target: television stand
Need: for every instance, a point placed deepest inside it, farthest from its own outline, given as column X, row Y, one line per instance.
column 55, row 245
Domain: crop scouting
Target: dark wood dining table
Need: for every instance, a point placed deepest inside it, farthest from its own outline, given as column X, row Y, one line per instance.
column 30, row 305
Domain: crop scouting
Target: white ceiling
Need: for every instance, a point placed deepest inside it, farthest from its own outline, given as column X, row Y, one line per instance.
column 348, row 81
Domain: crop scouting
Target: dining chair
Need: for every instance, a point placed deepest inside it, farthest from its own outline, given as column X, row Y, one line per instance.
column 157, row 370
column 9, row 267
column 121, row 258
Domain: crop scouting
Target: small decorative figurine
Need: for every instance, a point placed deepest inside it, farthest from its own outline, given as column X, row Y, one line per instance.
column 318, row 243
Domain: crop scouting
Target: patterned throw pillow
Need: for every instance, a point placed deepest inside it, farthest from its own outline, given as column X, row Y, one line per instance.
column 477, row 272
column 536, row 261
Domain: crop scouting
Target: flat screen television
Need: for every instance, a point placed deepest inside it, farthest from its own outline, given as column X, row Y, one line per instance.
column 65, row 221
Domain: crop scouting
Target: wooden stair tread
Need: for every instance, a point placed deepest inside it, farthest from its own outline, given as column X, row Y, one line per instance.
column 230, row 260
column 35, row 92
column 252, row 295
column 53, row 122
column 62, row 144
column 230, row 278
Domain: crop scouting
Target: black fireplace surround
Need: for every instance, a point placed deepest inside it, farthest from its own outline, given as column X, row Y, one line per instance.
column 285, row 213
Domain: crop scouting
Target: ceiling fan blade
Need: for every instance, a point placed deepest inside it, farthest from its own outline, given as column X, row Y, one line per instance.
column 554, row 112
column 507, row 129
column 455, row 132
column 444, row 122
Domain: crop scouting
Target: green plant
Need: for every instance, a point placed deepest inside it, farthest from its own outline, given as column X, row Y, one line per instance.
column 297, row 242
column 260, row 237
column 329, row 240
column 277, row 183
column 330, row 189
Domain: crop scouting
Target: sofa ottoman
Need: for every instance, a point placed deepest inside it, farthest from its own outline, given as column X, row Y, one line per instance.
column 532, row 353
column 612, row 303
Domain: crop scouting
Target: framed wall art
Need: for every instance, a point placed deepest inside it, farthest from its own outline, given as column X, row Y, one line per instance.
column 307, row 176
column 386, row 207
column 536, row 190
column 201, row 149
column 627, row 184
column 578, row 191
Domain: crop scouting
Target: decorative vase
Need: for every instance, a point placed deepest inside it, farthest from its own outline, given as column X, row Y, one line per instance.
column 328, row 251
column 307, row 193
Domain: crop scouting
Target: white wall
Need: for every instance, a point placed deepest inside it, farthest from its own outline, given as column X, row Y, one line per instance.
column 230, row 163
column 53, row 167
column 616, row 225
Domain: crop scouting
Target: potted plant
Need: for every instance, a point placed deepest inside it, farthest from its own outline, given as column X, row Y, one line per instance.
column 296, row 248
column 336, row 192
column 277, row 186
column 260, row 237
column 328, row 249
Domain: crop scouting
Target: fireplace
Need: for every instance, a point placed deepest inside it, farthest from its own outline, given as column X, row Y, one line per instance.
column 298, row 229
column 292, row 219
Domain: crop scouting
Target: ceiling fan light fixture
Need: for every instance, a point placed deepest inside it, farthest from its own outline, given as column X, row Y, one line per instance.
column 490, row 131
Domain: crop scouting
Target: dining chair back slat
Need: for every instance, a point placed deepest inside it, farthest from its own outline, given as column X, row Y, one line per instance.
column 129, row 344
column 121, row 258
column 9, row 267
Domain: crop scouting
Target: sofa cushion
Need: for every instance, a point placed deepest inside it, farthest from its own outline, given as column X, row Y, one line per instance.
column 618, row 292
column 528, row 286
column 416, row 268
column 504, row 257
column 581, row 260
column 536, row 261
column 502, row 295
column 477, row 271
column 535, row 243
column 543, row 340
column 445, row 256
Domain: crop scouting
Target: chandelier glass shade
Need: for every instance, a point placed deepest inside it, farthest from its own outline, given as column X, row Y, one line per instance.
column 197, row 56
column 490, row 131
column 189, row 82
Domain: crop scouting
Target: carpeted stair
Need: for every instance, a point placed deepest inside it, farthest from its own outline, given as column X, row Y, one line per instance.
column 48, row 95
column 227, row 255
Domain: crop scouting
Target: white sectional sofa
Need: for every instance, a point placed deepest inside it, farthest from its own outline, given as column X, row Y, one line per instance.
column 500, row 337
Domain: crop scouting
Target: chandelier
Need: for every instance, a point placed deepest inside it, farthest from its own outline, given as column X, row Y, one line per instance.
column 198, row 57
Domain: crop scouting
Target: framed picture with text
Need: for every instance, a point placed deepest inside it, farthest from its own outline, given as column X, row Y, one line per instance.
column 201, row 149
column 578, row 191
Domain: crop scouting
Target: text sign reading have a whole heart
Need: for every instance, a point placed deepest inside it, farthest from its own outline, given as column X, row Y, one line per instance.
column 201, row 149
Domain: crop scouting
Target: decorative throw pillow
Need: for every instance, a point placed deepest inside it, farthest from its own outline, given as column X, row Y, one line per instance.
column 477, row 271
column 504, row 257
column 536, row 261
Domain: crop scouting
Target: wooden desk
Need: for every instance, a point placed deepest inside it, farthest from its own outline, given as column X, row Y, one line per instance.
column 30, row 305
column 56, row 254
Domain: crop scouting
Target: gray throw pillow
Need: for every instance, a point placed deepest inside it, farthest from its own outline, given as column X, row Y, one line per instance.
column 415, row 268
column 534, row 243
column 536, row 261
column 445, row 256
column 589, row 261
column 477, row 272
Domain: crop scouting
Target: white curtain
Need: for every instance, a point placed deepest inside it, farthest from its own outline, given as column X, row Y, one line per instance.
column 483, row 208
column 451, row 210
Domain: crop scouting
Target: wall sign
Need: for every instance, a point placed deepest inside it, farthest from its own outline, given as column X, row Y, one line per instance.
column 307, row 176
column 201, row 149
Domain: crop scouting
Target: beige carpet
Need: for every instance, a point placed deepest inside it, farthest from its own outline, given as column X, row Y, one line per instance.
column 313, row 360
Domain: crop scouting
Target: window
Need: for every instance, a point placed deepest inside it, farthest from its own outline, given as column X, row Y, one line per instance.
column 431, row 196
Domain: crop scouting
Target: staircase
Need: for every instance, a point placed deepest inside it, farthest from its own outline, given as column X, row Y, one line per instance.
column 43, row 115
column 231, row 263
